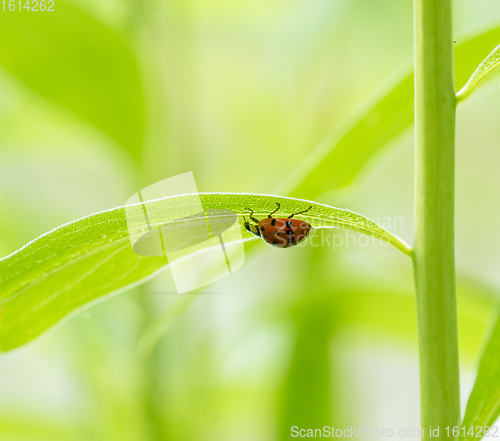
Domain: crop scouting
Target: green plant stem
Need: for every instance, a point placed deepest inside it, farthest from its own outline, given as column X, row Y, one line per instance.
column 434, row 254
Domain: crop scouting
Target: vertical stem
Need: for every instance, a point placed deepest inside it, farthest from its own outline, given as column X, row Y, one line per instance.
column 434, row 254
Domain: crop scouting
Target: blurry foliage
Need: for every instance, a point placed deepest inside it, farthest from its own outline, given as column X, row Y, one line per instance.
column 75, row 61
column 483, row 407
column 340, row 156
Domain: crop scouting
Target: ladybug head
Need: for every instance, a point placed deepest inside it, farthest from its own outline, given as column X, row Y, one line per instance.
column 251, row 228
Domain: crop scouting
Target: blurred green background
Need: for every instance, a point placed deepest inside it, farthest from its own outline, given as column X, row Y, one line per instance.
column 104, row 97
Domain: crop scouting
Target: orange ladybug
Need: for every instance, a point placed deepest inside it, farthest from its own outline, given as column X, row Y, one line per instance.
column 279, row 232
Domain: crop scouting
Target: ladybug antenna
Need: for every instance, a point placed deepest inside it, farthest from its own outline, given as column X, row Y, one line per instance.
column 300, row 212
column 278, row 204
column 250, row 216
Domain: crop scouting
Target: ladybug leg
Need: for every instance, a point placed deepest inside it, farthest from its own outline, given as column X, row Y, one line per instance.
column 271, row 214
column 300, row 212
column 251, row 216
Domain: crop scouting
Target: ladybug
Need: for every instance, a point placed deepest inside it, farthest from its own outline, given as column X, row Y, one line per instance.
column 279, row 232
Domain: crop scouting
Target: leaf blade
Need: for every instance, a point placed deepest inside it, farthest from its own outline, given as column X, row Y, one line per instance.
column 91, row 71
column 85, row 260
column 338, row 158
column 485, row 69
column 483, row 406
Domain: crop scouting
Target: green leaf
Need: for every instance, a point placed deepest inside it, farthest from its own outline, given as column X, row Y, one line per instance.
column 480, row 75
column 339, row 157
column 84, row 260
column 483, row 407
column 75, row 61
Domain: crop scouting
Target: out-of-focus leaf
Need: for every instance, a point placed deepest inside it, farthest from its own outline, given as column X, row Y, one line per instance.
column 480, row 75
column 306, row 391
column 483, row 407
column 84, row 260
column 337, row 300
column 336, row 160
column 393, row 313
column 75, row 61
column 309, row 395
column 23, row 426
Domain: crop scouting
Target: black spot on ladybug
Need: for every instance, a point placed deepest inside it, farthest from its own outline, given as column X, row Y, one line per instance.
column 285, row 233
